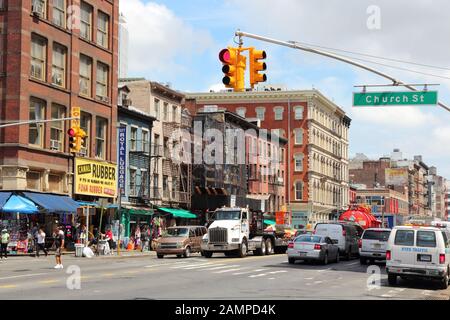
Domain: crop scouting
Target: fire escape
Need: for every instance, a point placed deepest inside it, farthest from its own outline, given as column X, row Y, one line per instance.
column 139, row 158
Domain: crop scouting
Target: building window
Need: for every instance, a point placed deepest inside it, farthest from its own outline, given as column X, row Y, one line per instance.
column 298, row 110
column 57, row 128
column 278, row 112
column 174, row 113
column 241, row 112
column 59, row 65
column 102, row 81
column 85, row 75
column 165, row 111
column 298, row 136
column 85, row 124
column 38, row 57
column 86, row 21
column 298, row 190
column 59, row 13
column 102, row 32
column 157, row 102
column 133, row 138
column 100, row 138
column 165, row 186
column 260, row 111
column 36, row 130
column 145, row 142
column 39, row 7
column 54, row 182
column 298, row 162
column 166, row 148
column 133, row 175
column 33, row 180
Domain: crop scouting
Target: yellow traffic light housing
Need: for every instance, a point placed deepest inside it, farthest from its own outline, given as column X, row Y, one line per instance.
column 256, row 66
column 234, row 65
column 76, row 139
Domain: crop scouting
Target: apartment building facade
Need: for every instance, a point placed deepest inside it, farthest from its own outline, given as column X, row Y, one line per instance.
column 48, row 66
column 317, row 144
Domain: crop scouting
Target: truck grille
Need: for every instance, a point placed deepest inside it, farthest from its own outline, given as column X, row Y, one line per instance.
column 168, row 245
column 218, row 235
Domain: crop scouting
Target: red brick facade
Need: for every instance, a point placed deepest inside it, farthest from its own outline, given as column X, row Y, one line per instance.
column 18, row 87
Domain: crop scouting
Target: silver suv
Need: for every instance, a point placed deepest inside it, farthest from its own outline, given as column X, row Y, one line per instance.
column 372, row 245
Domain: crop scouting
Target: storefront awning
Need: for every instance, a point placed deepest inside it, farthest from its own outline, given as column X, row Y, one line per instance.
column 4, row 196
column 258, row 196
column 53, row 203
column 179, row 213
column 88, row 204
column 141, row 212
column 270, row 222
column 18, row 204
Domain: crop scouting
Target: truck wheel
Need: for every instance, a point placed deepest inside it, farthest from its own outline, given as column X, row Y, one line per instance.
column 392, row 279
column 362, row 260
column 444, row 282
column 262, row 250
column 242, row 249
column 291, row 260
column 207, row 254
column 187, row 252
column 269, row 246
column 160, row 256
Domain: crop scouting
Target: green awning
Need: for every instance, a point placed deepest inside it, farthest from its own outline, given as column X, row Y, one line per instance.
column 179, row 213
column 140, row 212
column 266, row 221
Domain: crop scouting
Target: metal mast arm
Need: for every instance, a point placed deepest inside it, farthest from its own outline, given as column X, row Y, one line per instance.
column 294, row 45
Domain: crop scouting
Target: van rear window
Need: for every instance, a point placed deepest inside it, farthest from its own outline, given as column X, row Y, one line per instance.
column 426, row 239
column 376, row 235
column 404, row 238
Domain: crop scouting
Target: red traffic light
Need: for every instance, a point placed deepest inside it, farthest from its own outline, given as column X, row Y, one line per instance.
column 71, row 132
column 225, row 56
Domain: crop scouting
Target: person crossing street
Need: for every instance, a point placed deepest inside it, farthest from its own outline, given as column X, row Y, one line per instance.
column 59, row 243
column 4, row 244
column 41, row 243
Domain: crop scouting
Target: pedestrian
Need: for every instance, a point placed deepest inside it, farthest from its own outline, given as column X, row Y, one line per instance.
column 41, row 243
column 4, row 244
column 59, row 243
column 110, row 239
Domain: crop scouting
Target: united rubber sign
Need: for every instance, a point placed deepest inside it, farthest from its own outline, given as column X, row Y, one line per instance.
column 95, row 178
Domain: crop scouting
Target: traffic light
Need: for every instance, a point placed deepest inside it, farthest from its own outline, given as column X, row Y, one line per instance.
column 256, row 66
column 234, row 65
column 76, row 139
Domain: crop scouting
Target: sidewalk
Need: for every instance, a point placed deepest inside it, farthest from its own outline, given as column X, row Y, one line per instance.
column 123, row 254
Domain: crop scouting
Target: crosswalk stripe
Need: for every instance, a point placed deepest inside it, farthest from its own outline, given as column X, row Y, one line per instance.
column 280, row 271
column 223, row 267
column 258, row 275
column 228, row 270
column 184, row 266
column 201, row 265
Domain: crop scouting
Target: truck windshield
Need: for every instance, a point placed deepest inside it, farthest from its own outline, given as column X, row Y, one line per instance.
column 227, row 215
column 177, row 232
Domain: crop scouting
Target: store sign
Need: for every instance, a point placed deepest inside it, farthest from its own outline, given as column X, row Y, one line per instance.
column 122, row 159
column 95, row 178
column 396, row 176
column 395, row 98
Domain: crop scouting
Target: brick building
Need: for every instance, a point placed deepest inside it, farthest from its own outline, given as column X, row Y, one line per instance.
column 317, row 149
column 49, row 66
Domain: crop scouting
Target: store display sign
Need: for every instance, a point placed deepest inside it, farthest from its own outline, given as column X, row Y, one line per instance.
column 122, row 159
column 95, row 178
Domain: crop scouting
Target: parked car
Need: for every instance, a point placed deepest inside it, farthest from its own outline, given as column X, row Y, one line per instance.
column 372, row 245
column 313, row 248
column 418, row 252
column 181, row 241
column 344, row 235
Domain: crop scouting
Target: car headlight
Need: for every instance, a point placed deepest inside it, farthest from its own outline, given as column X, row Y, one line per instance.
column 235, row 240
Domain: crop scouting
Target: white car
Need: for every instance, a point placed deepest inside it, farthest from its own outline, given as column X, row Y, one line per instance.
column 418, row 252
column 313, row 248
column 373, row 243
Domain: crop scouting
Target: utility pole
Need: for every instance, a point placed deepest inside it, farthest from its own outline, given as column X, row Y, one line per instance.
column 36, row 121
column 296, row 45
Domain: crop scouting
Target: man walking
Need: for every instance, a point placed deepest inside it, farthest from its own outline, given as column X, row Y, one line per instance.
column 4, row 244
column 59, row 243
column 41, row 243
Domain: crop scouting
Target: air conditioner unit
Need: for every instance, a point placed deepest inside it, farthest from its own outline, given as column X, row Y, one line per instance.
column 37, row 8
column 55, row 144
column 83, row 152
column 57, row 79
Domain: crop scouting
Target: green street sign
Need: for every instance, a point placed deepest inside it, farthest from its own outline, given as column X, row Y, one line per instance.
column 395, row 98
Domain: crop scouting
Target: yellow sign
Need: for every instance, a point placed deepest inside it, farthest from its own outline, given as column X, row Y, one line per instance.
column 95, row 178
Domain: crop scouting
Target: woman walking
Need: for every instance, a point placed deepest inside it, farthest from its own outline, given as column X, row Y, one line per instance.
column 41, row 243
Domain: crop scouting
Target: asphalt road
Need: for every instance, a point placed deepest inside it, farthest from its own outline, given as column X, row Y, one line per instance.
column 146, row 277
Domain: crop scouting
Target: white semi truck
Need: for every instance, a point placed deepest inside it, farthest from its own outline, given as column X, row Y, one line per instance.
column 237, row 231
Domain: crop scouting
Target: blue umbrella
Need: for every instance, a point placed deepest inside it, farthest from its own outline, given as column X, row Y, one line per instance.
column 18, row 204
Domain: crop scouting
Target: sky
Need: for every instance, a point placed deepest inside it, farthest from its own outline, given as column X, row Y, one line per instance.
column 178, row 41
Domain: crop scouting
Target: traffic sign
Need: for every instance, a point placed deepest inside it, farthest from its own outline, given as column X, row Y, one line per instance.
column 394, row 98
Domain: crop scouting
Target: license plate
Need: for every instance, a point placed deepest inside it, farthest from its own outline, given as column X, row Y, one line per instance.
column 302, row 254
column 424, row 258
column 377, row 246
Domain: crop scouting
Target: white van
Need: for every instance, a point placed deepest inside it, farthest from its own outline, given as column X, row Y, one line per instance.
column 344, row 235
column 418, row 252
column 372, row 245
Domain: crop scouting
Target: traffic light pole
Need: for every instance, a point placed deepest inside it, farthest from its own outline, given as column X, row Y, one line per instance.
column 35, row 121
column 295, row 45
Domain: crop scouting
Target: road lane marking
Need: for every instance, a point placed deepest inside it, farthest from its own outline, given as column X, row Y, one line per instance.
column 188, row 265
column 239, row 273
column 25, row 276
column 352, row 263
column 223, row 267
column 49, row 281
column 386, row 296
column 323, row 270
column 258, row 275
column 131, row 272
column 271, row 278
column 280, row 271
column 108, row 274
column 308, row 278
column 228, row 270
column 318, row 282
column 8, row 286
column 203, row 265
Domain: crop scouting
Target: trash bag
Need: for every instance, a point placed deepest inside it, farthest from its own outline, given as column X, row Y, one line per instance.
column 88, row 253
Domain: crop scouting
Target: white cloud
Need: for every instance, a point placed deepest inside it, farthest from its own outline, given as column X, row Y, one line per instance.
column 217, row 87
column 158, row 37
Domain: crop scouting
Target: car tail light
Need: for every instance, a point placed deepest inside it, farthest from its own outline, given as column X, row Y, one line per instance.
column 388, row 255
column 290, row 245
column 317, row 247
column 442, row 258
column 360, row 243
column 344, row 232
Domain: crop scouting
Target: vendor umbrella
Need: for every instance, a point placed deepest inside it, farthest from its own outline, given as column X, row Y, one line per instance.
column 18, row 204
